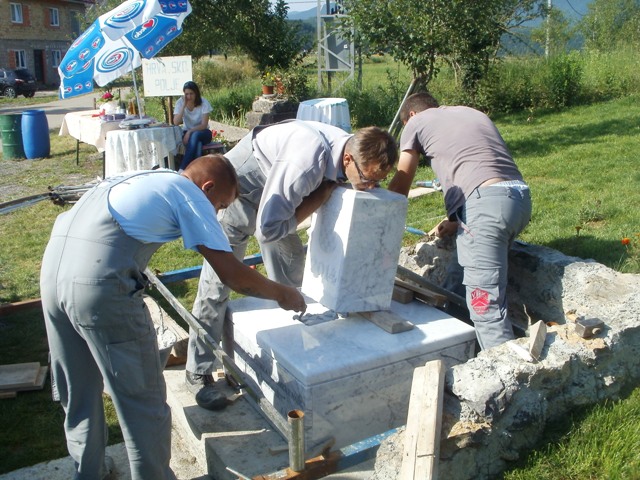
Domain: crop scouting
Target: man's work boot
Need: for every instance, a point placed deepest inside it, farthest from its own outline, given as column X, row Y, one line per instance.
column 204, row 388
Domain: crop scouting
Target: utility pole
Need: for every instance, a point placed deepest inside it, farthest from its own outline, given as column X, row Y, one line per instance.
column 548, row 39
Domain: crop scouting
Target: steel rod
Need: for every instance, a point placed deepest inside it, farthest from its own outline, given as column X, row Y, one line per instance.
column 296, row 443
column 254, row 396
column 420, row 280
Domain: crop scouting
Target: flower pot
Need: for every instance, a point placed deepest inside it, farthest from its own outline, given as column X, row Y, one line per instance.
column 267, row 89
column 279, row 88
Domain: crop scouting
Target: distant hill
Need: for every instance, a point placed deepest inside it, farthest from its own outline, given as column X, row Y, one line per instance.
column 572, row 9
column 308, row 14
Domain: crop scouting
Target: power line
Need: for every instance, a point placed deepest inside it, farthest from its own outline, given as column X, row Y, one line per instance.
column 576, row 11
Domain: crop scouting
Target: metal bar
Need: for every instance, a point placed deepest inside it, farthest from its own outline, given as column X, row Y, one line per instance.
column 323, row 465
column 22, row 202
column 394, row 128
column 420, row 280
column 193, row 272
column 296, row 444
column 254, row 397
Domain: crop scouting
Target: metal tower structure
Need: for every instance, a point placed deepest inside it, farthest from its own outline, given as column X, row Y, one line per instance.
column 336, row 56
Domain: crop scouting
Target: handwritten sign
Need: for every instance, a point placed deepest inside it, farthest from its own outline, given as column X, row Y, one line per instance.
column 165, row 76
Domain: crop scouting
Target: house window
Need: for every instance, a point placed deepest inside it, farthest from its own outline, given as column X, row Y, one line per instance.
column 56, row 56
column 20, row 59
column 75, row 22
column 16, row 12
column 53, row 15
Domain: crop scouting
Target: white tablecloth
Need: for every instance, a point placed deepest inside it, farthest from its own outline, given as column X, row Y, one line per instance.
column 141, row 149
column 86, row 128
column 334, row 111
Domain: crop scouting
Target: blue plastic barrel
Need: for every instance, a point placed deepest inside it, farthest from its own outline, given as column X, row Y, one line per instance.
column 35, row 134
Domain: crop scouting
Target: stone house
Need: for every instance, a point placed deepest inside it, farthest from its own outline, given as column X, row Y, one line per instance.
column 36, row 34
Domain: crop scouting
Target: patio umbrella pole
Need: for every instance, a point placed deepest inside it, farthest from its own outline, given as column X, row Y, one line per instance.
column 135, row 89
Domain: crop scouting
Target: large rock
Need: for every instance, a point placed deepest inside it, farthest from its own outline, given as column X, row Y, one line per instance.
column 497, row 405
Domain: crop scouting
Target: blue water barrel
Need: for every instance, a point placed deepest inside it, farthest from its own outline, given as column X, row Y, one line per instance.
column 35, row 134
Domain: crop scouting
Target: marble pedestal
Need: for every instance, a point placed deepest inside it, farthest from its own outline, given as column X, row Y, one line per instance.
column 354, row 245
column 351, row 378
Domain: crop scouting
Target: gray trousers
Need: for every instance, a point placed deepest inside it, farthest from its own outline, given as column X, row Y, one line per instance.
column 101, row 338
column 492, row 217
column 283, row 259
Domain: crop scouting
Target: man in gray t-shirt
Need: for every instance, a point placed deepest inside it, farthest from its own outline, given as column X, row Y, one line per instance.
column 488, row 203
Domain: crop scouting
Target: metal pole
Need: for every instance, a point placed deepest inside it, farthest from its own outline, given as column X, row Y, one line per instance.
column 296, row 443
column 394, row 128
column 548, row 39
column 255, row 398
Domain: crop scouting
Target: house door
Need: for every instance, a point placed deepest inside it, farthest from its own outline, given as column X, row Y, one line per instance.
column 38, row 65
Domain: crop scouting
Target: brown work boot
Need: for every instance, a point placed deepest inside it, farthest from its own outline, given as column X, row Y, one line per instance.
column 204, row 388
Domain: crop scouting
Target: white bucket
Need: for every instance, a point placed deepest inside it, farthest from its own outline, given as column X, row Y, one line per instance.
column 166, row 341
column 166, row 338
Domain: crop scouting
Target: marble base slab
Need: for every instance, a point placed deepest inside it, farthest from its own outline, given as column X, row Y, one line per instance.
column 351, row 378
column 354, row 245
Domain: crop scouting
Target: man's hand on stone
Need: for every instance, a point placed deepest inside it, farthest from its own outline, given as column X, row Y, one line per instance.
column 446, row 228
column 292, row 300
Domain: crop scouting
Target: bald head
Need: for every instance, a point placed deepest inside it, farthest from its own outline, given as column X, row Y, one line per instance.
column 216, row 177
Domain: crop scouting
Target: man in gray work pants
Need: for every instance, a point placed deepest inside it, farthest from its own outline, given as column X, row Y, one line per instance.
column 488, row 203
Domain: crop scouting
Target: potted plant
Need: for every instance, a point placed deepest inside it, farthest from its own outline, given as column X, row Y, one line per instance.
column 268, row 82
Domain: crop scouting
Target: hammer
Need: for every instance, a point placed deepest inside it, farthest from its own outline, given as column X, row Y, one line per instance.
column 587, row 327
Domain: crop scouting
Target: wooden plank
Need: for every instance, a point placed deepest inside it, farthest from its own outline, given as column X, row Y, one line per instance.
column 401, row 294
column 538, row 332
column 8, row 394
column 7, row 308
column 424, row 423
column 406, row 274
column 424, row 294
column 18, row 375
column 39, row 383
column 388, row 321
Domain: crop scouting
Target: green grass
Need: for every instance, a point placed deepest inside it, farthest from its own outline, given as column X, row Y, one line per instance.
column 599, row 442
column 582, row 169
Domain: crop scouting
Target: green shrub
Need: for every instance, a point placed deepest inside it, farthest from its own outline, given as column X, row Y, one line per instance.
column 565, row 80
column 374, row 105
column 230, row 106
column 217, row 72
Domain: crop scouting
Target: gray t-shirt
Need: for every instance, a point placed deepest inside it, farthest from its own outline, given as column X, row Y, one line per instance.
column 463, row 147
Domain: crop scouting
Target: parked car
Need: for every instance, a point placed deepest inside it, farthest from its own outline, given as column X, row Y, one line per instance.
column 17, row 82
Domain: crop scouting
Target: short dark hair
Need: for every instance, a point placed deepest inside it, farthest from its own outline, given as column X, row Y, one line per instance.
column 417, row 103
column 374, row 146
column 193, row 86
column 214, row 166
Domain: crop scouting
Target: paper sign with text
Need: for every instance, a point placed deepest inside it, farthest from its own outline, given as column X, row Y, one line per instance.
column 165, row 76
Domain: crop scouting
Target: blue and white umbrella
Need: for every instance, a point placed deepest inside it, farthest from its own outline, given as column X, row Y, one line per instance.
column 117, row 41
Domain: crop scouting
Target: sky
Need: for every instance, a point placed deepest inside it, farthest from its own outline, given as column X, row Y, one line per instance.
column 578, row 6
column 302, row 5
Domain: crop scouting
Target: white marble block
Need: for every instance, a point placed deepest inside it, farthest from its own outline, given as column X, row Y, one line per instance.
column 350, row 378
column 354, row 245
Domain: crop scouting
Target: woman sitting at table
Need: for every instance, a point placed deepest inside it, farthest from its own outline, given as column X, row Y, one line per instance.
column 193, row 112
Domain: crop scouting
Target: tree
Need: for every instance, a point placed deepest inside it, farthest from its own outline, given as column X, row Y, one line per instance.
column 258, row 28
column 554, row 33
column 466, row 34
column 611, row 23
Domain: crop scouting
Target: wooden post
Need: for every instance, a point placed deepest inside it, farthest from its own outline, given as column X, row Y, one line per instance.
column 424, row 422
